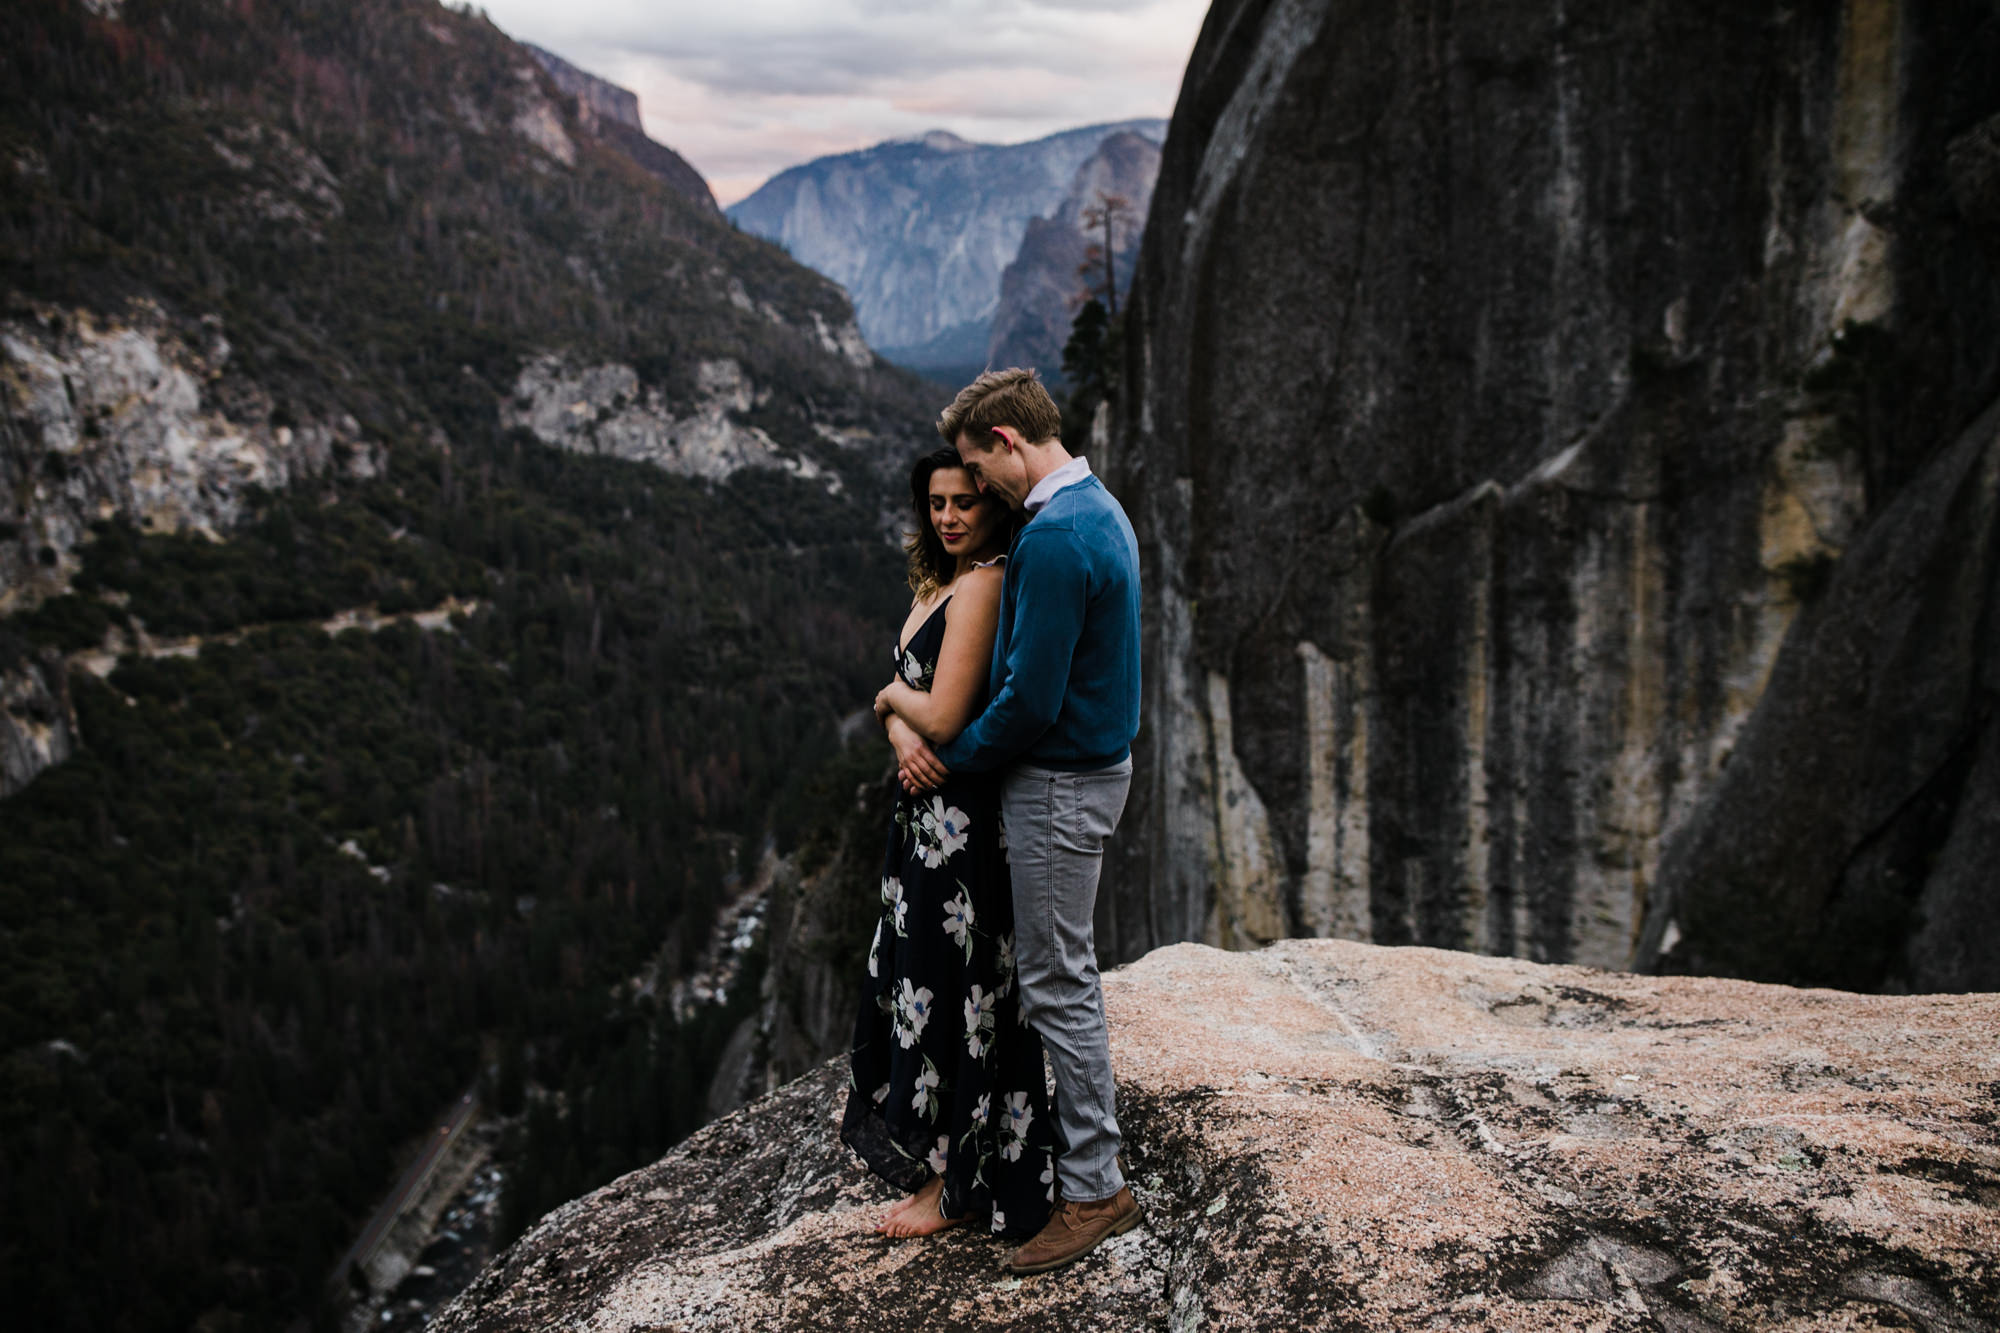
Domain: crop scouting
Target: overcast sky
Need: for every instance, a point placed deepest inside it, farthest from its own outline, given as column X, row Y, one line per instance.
column 745, row 88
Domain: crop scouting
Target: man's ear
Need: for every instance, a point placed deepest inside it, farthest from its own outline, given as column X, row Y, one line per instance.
column 1007, row 441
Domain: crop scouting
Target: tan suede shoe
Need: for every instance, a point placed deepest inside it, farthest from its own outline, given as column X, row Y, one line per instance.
column 1074, row 1230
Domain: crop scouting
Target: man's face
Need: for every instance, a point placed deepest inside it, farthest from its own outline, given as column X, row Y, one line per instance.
column 993, row 458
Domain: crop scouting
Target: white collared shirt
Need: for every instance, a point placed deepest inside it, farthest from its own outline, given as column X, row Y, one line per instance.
column 1069, row 474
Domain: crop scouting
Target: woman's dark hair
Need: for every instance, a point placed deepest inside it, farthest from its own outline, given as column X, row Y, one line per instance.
column 931, row 566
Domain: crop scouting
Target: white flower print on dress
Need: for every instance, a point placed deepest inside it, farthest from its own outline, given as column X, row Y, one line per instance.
column 916, row 673
column 1017, row 1115
column 875, row 952
column 892, row 897
column 925, row 1103
column 1049, row 1177
column 952, row 826
column 913, row 1012
column 978, row 1022
column 958, row 921
column 981, row 1109
column 1003, row 963
column 941, row 831
column 999, row 1220
column 936, row 1160
column 881, row 1094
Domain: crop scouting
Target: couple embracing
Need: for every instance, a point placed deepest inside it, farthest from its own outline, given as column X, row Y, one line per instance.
column 1012, row 714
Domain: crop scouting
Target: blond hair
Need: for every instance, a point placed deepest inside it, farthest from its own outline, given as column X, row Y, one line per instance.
column 1013, row 397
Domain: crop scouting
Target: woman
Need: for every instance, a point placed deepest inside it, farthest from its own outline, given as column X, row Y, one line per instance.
column 946, row 1096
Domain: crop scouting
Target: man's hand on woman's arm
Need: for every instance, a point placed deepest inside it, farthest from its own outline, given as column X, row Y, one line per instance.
column 917, row 766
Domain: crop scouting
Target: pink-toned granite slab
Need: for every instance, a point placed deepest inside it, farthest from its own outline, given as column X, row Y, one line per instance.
column 1334, row 1135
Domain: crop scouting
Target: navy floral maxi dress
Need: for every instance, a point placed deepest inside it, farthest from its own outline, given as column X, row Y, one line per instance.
column 945, row 1075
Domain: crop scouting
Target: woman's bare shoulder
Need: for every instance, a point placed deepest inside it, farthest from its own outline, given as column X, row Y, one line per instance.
column 981, row 581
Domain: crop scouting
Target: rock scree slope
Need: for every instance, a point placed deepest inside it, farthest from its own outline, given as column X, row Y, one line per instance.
column 1346, row 1136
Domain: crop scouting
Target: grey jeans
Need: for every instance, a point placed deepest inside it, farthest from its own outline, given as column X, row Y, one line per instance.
column 1056, row 826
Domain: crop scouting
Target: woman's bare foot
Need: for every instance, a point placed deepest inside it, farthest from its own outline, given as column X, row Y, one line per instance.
column 910, row 1202
column 900, row 1207
column 918, row 1215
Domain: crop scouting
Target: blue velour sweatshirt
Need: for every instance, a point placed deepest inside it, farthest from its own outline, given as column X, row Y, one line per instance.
column 1066, row 653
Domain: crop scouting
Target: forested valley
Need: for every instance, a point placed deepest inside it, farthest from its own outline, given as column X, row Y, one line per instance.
column 296, row 889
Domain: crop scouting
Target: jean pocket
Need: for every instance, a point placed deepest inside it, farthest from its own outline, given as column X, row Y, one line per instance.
column 1099, row 801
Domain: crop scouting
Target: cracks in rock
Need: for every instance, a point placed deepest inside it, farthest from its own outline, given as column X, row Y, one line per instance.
column 1446, row 510
column 1613, row 497
column 1363, row 1042
column 1634, row 1246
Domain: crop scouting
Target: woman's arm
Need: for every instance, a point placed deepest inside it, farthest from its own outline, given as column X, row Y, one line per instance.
column 963, row 661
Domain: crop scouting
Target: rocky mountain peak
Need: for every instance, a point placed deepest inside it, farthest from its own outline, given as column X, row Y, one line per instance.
column 600, row 96
column 944, row 141
column 612, row 113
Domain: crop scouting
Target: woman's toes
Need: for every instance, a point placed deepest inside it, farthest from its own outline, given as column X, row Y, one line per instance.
column 895, row 1216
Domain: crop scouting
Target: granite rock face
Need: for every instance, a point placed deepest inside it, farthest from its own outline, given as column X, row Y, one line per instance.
column 1855, row 835
column 37, row 723
column 129, row 417
column 1336, row 1135
column 1501, row 386
column 612, row 113
column 604, row 409
column 919, row 230
column 600, row 99
column 1042, row 289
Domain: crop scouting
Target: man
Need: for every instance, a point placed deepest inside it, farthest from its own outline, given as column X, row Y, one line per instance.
column 1064, row 712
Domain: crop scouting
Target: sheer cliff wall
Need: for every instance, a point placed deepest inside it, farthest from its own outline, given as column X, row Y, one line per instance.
column 1503, row 384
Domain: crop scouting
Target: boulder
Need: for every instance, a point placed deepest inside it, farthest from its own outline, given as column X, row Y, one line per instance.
column 1327, row 1134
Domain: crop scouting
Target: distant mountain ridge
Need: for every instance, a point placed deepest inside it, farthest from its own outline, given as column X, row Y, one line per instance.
column 601, row 97
column 1056, row 270
column 919, row 230
column 613, row 113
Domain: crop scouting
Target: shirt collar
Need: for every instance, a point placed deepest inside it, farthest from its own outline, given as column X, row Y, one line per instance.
column 1069, row 474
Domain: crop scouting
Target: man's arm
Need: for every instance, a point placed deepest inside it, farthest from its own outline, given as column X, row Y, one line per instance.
column 1047, row 622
